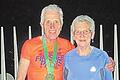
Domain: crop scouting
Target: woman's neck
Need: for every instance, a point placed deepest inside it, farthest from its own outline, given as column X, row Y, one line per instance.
column 84, row 51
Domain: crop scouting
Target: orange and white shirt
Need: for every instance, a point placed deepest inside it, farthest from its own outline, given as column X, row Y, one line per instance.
column 33, row 51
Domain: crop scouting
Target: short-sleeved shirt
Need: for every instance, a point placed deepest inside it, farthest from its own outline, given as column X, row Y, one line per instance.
column 33, row 51
column 90, row 67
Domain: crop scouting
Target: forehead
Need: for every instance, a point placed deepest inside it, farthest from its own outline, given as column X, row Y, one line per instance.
column 82, row 25
column 52, row 15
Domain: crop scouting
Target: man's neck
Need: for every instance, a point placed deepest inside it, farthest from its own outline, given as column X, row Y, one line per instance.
column 48, row 40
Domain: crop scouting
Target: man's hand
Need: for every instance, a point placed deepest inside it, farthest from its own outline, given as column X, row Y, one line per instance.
column 111, row 65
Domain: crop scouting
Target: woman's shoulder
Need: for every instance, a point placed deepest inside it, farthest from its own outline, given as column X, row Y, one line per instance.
column 100, row 52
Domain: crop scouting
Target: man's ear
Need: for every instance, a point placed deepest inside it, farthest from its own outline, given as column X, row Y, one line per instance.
column 60, row 28
column 42, row 28
column 41, row 25
column 92, row 35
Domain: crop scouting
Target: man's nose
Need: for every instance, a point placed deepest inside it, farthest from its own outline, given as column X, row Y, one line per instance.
column 52, row 26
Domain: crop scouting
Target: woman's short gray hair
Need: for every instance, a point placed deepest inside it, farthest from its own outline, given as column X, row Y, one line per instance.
column 52, row 7
column 82, row 18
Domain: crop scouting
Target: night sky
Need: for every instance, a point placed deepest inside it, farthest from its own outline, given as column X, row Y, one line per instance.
column 22, row 13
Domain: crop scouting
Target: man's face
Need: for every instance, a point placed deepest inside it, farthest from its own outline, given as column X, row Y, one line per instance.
column 52, row 25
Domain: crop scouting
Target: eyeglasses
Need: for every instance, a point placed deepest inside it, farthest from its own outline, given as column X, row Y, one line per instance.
column 85, row 32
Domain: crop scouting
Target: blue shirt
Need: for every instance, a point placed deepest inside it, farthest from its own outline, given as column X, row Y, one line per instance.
column 90, row 67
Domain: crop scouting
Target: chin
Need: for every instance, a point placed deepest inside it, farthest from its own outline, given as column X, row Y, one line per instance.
column 81, row 45
column 53, row 37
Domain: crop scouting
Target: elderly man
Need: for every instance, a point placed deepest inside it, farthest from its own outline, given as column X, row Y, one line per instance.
column 42, row 58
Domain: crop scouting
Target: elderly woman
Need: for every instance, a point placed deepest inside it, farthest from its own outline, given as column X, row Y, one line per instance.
column 85, row 62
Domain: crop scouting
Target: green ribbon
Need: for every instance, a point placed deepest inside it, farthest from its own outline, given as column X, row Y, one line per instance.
column 49, row 65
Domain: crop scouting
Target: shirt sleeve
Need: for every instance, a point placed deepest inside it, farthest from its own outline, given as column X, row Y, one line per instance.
column 107, row 74
column 26, row 50
column 65, row 68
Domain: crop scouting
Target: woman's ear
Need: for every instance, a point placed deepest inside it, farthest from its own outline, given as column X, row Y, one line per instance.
column 72, row 38
column 92, row 35
column 73, row 35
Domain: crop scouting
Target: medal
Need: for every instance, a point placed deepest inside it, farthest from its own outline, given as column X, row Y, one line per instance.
column 49, row 64
column 49, row 77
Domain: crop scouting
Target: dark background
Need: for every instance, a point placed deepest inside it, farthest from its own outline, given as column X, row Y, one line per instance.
column 22, row 13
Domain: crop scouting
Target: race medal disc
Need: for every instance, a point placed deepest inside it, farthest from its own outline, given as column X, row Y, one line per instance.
column 49, row 77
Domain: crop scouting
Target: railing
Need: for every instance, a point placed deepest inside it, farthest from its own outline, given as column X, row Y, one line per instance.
column 7, row 76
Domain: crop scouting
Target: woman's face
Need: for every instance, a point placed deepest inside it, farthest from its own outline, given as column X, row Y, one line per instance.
column 82, row 34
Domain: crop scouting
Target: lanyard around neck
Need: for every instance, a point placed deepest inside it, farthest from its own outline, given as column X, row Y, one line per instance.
column 49, row 65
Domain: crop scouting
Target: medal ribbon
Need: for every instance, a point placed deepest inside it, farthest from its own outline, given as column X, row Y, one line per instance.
column 49, row 65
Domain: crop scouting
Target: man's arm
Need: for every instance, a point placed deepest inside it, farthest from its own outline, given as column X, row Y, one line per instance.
column 22, row 69
column 111, row 65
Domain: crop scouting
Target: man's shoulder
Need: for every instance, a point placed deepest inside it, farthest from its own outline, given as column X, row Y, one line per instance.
column 64, row 42
column 63, row 39
column 35, row 40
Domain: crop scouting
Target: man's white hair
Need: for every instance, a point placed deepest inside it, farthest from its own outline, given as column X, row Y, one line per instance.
column 52, row 7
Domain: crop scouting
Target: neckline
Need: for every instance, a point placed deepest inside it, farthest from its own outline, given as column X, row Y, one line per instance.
column 86, row 56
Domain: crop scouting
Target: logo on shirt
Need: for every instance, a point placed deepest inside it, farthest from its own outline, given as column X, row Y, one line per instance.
column 93, row 69
column 41, row 59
